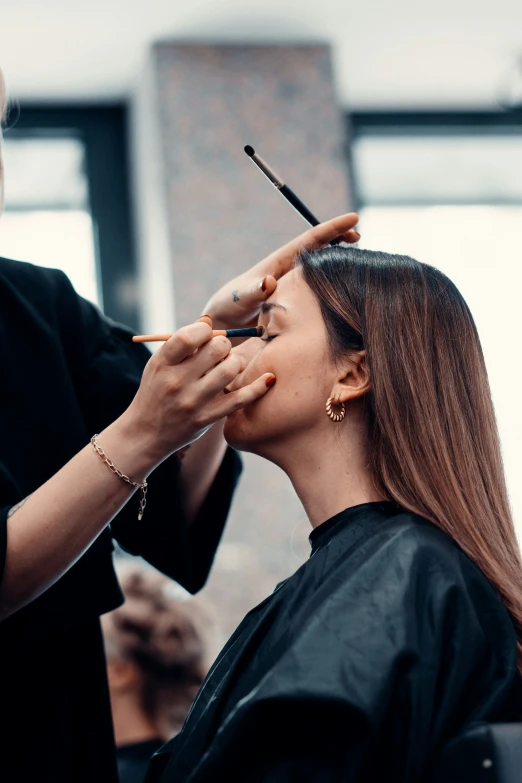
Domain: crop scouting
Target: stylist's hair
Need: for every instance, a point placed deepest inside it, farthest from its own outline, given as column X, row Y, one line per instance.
column 3, row 114
column 171, row 640
column 433, row 439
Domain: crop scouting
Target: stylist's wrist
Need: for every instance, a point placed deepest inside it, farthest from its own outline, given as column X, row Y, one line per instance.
column 132, row 446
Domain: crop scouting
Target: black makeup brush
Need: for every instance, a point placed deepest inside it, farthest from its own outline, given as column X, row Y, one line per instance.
column 285, row 191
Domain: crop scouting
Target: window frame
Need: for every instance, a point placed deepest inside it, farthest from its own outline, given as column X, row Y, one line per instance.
column 429, row 123
column 103, row 131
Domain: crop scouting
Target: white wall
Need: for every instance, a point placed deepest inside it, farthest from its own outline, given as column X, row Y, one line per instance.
column 155, row 270
column 401, row 53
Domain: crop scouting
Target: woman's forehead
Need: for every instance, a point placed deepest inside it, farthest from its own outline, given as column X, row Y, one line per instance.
column 292, row 291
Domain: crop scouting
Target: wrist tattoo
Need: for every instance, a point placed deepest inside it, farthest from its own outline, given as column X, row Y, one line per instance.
column 12, row 511
column 235, row 297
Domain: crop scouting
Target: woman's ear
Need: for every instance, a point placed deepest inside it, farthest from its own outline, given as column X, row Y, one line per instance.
column 353, row 380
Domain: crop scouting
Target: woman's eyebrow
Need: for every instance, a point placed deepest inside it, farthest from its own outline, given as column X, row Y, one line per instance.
column 267, row 306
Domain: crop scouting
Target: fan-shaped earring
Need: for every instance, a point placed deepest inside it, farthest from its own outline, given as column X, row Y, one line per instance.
column 331, row 414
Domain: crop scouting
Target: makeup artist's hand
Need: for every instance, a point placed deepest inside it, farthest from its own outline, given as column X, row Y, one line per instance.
column 182, row 392
column 238, row 302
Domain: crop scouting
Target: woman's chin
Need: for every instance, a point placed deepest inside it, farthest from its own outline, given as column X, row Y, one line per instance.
column 249, row 428
column 235, row 431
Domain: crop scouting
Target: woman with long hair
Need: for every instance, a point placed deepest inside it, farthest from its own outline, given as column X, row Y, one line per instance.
column 69, row 373
column 405, row 625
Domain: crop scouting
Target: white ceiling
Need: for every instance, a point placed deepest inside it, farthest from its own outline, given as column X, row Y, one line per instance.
column 387, row 53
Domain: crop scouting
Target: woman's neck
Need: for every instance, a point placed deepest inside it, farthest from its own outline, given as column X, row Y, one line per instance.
column 331, row 477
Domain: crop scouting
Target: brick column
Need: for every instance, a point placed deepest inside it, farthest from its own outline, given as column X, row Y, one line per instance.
column 197, row 109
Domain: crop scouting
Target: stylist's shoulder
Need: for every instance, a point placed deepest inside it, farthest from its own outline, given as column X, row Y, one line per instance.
column 40, row 287
column 44, row 301
column 36, row 296
column 29, row 280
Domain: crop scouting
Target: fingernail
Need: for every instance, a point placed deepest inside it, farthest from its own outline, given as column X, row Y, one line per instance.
column 205, row 319
column 270, row 381
column 262, row 285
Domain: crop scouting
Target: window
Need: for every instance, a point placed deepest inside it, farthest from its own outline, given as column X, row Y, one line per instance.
column 447, row 190
column 67, row 202
column 47, row 219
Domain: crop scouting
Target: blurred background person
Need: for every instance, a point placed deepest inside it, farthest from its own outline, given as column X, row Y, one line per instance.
column 159, row 646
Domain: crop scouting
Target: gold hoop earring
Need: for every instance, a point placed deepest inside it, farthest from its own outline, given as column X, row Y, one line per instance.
column 336, row 417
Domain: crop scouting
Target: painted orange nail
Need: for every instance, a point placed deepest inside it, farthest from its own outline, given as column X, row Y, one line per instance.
column 270, row 381
column 262, row 285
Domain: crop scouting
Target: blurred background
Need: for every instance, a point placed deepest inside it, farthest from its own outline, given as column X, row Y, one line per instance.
column 125, row 168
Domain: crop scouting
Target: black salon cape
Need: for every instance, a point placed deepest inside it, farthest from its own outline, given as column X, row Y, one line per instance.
column 356, row 669
column 67, row 372
column 133, row 760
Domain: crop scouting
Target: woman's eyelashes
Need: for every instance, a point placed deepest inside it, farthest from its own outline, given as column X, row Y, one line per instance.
column 268, row 338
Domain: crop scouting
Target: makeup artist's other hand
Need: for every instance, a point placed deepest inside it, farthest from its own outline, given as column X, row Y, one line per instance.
column 182, row 391
column 238, row 302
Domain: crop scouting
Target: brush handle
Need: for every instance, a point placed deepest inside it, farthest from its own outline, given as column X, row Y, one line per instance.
column 298, row 205
column 151, row 338
column 251, row 331
column 303, row 210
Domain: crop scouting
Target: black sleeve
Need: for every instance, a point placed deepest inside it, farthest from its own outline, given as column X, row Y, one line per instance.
column 3, row 539
column 378, row 681
column 106, row 384
column 164, row 538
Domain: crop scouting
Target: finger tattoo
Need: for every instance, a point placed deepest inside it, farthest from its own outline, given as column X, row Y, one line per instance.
column 235, row 297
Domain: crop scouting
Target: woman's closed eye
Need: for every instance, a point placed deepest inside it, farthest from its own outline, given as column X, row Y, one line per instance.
column 268, row 338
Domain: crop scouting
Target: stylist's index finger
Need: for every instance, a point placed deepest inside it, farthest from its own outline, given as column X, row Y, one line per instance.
column 321, row 235
column 281, row 261
column 185, row 341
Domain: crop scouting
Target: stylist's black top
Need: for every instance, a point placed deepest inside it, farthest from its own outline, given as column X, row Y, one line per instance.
column 68, row 372
column 357, row 669
column 133, row 760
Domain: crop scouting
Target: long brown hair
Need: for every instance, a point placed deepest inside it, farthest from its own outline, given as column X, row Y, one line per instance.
column 433, row 439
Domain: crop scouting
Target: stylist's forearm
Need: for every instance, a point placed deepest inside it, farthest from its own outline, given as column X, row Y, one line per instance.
column 60, row 520
column 180, row 396
column 199, row 468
